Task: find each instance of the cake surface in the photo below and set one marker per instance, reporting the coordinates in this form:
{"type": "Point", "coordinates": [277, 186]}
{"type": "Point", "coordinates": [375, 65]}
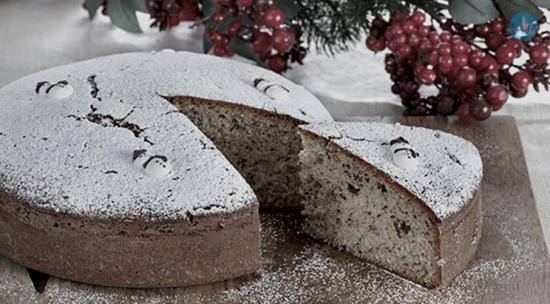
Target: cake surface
{"type": "Point", "coordinates": [403, 198]}
{"type": "Point", "coordinates": [104, 181]}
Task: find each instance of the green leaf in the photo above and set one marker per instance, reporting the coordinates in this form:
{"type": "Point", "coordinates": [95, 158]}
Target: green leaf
{"type": "Point", "coordinates": [243, 48]}
{"type": "Point", "coordinates": [542, 3]}
{"type": "Point", "coordinates": [472, 11]}
{"type": "Point", "coordinates": [434, 8]}
{"type": "Point", "coordinates": [139, 5]}
{"type": "Point", "coordinates": [394, 6]}
{"type": "Point", "coordinates": [512, 7]}
{"type": "Point", "coordinates": [208, 7]}
{"type": "Point", "coordinates": [123, 15]}
{"type": "Point", "coordinates": [92, 6]}
{"type": "Point", "coordinates": [289, 7]}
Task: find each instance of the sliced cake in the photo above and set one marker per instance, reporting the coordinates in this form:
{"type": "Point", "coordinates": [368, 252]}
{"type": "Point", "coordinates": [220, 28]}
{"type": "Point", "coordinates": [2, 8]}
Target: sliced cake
{"type": "Point", "coordinates": [147, 170]}
{"type": "Point", "coordinates": [403, 198]}
{"type": "Point", "coordinates": [104, 181]}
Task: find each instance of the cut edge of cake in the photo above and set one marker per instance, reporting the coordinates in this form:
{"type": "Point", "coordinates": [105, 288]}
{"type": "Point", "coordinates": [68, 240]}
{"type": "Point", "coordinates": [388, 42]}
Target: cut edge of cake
{"type": "Point", "coordinates": [262, 145]}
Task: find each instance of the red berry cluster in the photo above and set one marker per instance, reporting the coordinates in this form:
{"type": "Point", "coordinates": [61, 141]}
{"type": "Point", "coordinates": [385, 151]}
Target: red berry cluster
{"type": "Point", "coordinates": [260, 24]}
{"type": "Point", "coordinates": [169, 13]}
{"type": "Point", "coordinates": [471, 66]}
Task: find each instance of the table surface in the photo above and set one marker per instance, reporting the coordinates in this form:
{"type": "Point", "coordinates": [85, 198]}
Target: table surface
{"type": "Point", "coordinates": [37, 34]}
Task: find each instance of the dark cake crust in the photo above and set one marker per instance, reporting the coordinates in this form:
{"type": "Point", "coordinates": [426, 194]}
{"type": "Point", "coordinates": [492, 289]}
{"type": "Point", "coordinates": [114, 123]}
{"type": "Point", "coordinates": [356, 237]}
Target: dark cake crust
{"type": "Point", "coordinates": [131, 253]}
{"type": "Point", "coordinates": [459, 239]}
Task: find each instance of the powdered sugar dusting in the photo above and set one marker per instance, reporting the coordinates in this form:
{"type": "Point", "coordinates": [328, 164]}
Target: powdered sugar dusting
{"type": "Point", "coordinates": [75, 155]}
{"type": "Point", "coordinates": [449, 167]}
{"type": "Point", "coordinates": [319, 273]}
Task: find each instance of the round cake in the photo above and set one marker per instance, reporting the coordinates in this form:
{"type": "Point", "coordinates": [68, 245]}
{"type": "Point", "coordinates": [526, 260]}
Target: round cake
{"type": "Point", "coordinates": [148, 170]}
{"type": "Point", "coordinates": [105, 181]}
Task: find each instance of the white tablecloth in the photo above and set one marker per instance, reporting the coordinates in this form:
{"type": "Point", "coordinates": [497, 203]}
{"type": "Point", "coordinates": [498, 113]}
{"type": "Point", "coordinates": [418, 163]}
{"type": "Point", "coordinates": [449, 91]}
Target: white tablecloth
{"type": "Point", "coordinates": [36, 34]}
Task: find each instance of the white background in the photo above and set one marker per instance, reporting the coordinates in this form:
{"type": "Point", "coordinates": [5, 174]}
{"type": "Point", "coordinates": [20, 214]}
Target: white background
{"type": "Point", "coordinates": [36, 34]}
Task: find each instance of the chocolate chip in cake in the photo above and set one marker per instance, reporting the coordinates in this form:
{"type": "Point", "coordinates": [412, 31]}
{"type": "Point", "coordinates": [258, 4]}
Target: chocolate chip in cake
{"type": "Point", "coordinates": [353, 189]}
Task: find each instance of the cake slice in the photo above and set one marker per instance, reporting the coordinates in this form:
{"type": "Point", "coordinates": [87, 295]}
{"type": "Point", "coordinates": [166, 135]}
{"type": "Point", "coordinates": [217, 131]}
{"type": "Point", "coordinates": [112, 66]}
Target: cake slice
{"type": "Point", "coordinates": [403, 198]}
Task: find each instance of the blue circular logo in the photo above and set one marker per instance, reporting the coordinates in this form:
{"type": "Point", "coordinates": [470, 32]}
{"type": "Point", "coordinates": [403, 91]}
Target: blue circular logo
{"type": "Point", "coordinates": [523, 26]}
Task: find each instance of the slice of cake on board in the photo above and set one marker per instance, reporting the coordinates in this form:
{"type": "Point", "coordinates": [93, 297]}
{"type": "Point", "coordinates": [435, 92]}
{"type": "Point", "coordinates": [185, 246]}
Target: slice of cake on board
{"type": "Point", "coordinates": [403, 198]}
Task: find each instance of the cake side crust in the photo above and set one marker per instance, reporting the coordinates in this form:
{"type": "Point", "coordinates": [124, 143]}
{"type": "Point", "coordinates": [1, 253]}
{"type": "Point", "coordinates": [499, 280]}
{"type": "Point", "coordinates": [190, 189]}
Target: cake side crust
{"type": "Point", "coordinates": [135, 253]}
{"type": "Point", "coordinates": [460, 236]}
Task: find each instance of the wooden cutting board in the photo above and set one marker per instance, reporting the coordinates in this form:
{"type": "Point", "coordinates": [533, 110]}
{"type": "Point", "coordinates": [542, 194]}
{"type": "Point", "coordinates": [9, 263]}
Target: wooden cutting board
{"type": "Point", "coordinates": [511, 265]}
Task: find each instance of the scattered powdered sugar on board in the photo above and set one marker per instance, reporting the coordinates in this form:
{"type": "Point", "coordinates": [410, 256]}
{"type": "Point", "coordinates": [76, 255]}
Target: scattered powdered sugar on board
{"type": "Point", "coordinates": [319, 274]}
{"type": "Point", "coordinates": [74, 155]}
{"type": "Point", "coordinates": [449, 167]}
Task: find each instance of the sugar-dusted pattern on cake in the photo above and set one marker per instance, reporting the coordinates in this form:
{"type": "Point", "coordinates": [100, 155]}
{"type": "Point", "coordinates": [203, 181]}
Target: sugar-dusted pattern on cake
{"type": "Point", "coordinates": [72, 152]}
{"type": "Point", "coordinates": [448, 168]}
